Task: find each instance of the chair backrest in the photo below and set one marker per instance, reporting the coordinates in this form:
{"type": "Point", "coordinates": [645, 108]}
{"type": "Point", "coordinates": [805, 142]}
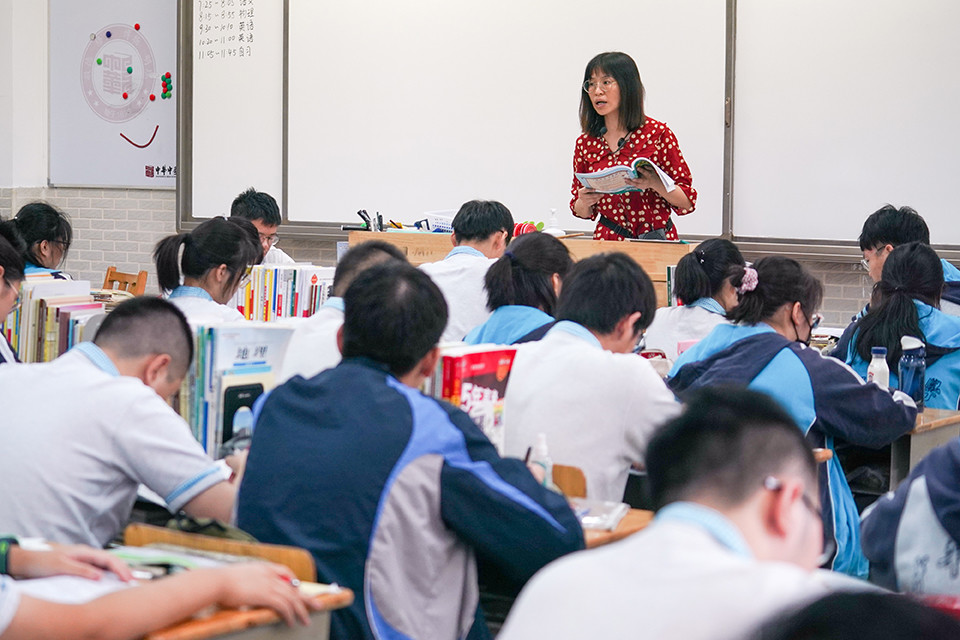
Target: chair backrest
{"type": "Point", "coordinates": [298, 560]}
{"type": "Point", "coordinates": [135, 284]}
{"type": "Point", "coordinates": [570, 480]}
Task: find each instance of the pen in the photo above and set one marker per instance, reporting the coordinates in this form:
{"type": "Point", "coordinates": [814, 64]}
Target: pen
{"type": "Point", "coordinates": [396, 225]}
{"type": "Point", "coordinates": [526, 458]}
{"type": "Point", "coordinates": [379, 222]}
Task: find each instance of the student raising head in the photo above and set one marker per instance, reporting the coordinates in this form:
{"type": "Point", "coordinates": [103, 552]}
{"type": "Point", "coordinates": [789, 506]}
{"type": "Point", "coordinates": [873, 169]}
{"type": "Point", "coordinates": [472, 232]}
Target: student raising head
{"type": "Point", "coordinates": [11, 275]}
{"type": "Point", "coordinates": [215, 259]}
{"type": "Point", "coordinates": [704, 289]}
{"type": "Point", "coordinates": [767, 350]}
{"type": "Point", "coordinates": [906, 302]}
{"type": "Point", "coordinates": [46, 234]}
{"type": "Point", "coordinates": [522, 288]}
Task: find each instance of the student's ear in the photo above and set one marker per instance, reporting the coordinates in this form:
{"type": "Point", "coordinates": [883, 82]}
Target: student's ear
{"type": "Point", "coordinates": [557, 283]}
{"type": "Point", "coordinates": [1, 273]}
{"type": "Point", "coordinates": [797, 314]}
{"type": "Point", "coordinates": [222, 273]}
{"type": "Point", "coordinates": [453, 239]}
{"type": "Point", "coordinates": [626, 324]}
{"type": "Point", "coordinates": [428, 364]}
{"type": "Point", "coordinates": [782, 509]}
{"type": "Point", "coordinates": [155, 372]}
{"type": "Point", "coordinates": [340, 339]}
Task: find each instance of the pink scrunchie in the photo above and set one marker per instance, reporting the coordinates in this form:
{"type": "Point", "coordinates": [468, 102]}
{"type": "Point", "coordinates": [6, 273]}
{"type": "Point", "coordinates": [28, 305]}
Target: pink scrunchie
{"type": "Point", "coordinates": [749, 281]}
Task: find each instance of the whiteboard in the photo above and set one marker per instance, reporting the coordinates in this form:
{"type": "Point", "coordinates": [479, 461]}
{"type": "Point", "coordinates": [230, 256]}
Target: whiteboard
{"type": "Point", "coordinates": [235, 134]}
{"type": "Point", "coordinates": [842, 107]}
{"type": "Point", "coordinates": [109, 122]}
{"type": "Point", "coordinates": [415, 106]}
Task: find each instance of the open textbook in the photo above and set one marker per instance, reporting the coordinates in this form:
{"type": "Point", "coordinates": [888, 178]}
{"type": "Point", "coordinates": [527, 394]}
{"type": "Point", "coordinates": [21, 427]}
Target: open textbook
{"type": "Point", "coordinates": [614, 179]}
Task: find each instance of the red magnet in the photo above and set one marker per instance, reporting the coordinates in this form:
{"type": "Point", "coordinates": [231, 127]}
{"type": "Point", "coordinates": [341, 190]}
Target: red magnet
{"type": "Point", "coordinates": [167, 75]}
{"type": "Point", "coordinates": [124, 95]}
{"type": "Point", "coordinates": [137, 26]}
{"type": "Point", "coordinates": [152, 97]}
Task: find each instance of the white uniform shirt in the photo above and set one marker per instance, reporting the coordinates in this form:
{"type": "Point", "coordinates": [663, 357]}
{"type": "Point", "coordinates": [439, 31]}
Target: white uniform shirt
{"type": "Point", "coordinates": [79, 440]}
{"type": "Point", "coordinates": [313, 345]}
{"type": "Point", "coordinates": [672, 325]}
{"type": "Point", "coordinates": [597, 408]}
{"type": "Point", "coordinates": [200, 308]}
{"type": "Point", "coordinates": [460, 278]}
{"type": "Point", "coordinates": [277, 256]}
{"type": "Point", "coordinates": [675, 579]}
{"type": "Point", "coordinates": [9, 601]}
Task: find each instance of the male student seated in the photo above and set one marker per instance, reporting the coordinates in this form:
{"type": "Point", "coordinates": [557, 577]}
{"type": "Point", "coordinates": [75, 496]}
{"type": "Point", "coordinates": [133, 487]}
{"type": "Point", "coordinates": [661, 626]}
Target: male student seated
{"type": "Point", "coordinates": [131, 613]}
{"type": "Point", "coordinates": [396, 495]}
{"type": "Point", "coordinates": [82, 432]}
{"type": "Point", "coordinates": [582, 385]}
{"type": "Point", "coordinates": [481, 231]}
{"type": "Point", "coordinates": [313, 345]}
{"type": "Point", "coordinates": [737, 536]}
{"type": "Point", "coordinates": [888, 228]}
{"type": "Point", "coordinates": [262, 210]}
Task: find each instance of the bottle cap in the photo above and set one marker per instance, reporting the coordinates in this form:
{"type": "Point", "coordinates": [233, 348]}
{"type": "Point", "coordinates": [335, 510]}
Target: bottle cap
{"type": "Point", "coordinates": [878, 351]}
{"type": "Point", "coordinates": [909, 343]}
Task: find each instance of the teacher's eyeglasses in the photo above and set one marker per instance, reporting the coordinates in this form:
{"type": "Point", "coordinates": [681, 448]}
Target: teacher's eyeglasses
{"type": "Point", "coordinates": [606, 84]}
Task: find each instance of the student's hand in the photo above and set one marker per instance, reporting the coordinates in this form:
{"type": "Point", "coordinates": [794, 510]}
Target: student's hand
{"type": "Point", "coordinates": [263, 584]}
{"type": "Point", "coordinates": [69, 560]}
{"type": "Point", "coordinates": [586, 198]}
{"type": "Point", "coordinates": [237, 463]}
{"type": "Point", "coordinates": [537, 471]}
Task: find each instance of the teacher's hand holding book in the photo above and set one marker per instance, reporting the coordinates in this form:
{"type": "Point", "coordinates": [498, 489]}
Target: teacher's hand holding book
{"type": "Point", "coordinates": [586, 198]}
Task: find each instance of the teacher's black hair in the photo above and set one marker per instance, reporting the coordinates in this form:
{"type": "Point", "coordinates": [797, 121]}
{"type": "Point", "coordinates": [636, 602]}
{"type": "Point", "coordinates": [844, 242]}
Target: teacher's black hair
{"type": "Point", "coordinates": [701, 273]}
{"type": "Point", "coordinates": [230, 241]}
{"type": "Point", "coordinates": [911, 272]}
{"type": "Point", "coordinates": [623, 69]}
{"type": "Point", "coordinates": [780, 281]}
{"type": "Point", "coordinates": [524, 274]}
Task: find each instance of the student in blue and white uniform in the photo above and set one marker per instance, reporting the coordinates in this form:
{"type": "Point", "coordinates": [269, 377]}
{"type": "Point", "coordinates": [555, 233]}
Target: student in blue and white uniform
{"type": "Point", "coordinates": [522, 289]}
{"type": "Point", "coordinates": [703, 287]}
{"type": "Point", "coordinates": [11, 275]}
{"type": "Point", "coordinates": [766, 350]}
{"type": "Point", "coordinates": [46, 234]}
{"type": "Point", "coordinates": [906, 303]}
{"type": "Point", "coordinates": [216, 256]}
{"type": "Point", "coordinates": [481, 231]}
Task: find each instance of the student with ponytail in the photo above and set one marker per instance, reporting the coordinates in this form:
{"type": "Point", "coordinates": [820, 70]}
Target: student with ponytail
{"type": "Point", "coordinates": [767, 350]}
{"type": "Point", "coordinates": [906, 302]}
{"type": "Point", "coordinates": [522, 288]}
{"type": "Point", "coordinates": [214, 263]}
{"type": "Point", "coordinates": [11, 275]}
{"type": "Point", "coordinates": [46, 235]}
{"type": "Point", "coordinates": [703, 287]}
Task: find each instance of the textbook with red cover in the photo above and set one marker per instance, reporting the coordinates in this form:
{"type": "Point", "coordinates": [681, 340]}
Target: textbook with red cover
{"type": "Point", "coordinates": [474, 378]}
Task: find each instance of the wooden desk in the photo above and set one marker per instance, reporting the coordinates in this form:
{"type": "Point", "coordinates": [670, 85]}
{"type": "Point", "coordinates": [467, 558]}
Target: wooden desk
{"type": "Point", "coordinates": [255, 624]}
{"type": "Point", "coordinates": [635, 520]}
{"type": "Point", "coordinates": [653, 255]}
{"type": "Point", "coordinates": [935, 427]}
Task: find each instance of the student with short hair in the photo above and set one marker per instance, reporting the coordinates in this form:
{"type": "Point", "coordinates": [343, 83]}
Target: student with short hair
{"type": "Point", "coordinates": [768, 350]}
{"type": "Point", "coordinates": [522, 288]}
{"type": "Point", "coordinates": [11, 275]}
{"type": "Point", "coordinates": [889, 227]}
{"type": "Point", "coordinates": [216, 256]}
{"type": "Point", "coordinates": [398, 496]}
{"type": "Point", "coordinates": [481, 231]}
{"type": "Point", "coordinates": [46, 234]}
{"type": "Point", "coordinates": [737, 536]}
{"type": "Point", "coordinates": [131, 613]}
{"type": "Point", "coordinates": [906, 302]}
{"type": "Point", "coordinates": [77, 459]}
{"type": "Point", "coordinates": [313, 345]}
{"type": "Point", "coordinates": [581, 385]}
{"type": "Point", "coordinates": [262, 210]}
{"type": "Point", "coordinates": [702, 285]}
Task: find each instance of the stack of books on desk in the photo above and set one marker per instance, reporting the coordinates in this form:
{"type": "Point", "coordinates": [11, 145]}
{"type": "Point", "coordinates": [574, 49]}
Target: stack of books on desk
{"type": "Point", "coordinates": [51, 317]}
{"type": "Point", "coordinates": [284, 291]}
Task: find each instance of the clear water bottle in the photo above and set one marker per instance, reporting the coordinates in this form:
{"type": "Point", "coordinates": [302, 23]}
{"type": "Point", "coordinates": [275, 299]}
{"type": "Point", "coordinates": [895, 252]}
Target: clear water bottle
{"type": "Point", "coordinates": [542, 458]}
{"type": "Point", "coordinates": [878, 371]}
{"type": "Point", "coordinates": [913, 369]}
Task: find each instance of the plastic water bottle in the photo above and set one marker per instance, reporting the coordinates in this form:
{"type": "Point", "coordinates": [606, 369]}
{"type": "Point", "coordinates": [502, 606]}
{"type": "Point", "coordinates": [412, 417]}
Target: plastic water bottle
{"type": "Point", "coordinates": [878, 371]}
{"type": "Point", "coordinates": [554, 227]}
{"type": "Point", "coordinates": [542, 457]}
{"type": "Point", "coordinates": [913, 369]}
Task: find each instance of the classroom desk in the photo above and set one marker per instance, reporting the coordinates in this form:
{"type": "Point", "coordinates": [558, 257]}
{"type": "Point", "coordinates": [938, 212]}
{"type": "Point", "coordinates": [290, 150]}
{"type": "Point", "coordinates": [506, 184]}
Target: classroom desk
{"type": "Point", "coordinates": [653, 255]}
{"type": "Point", "coordinates": [255, 624]}
{"type": "Point", "coordinates": [934, 427]}
{"type": "Point", "coordinates": [635, 520]}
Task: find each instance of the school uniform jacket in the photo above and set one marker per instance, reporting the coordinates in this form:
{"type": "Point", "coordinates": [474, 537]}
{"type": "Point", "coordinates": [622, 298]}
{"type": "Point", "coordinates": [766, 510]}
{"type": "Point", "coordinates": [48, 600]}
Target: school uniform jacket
{"type": "Point", "coordinates": [912, 537]}
{"type": "Point", "coordinates": [398, 497]}
{"type": "Point", "coordinates": [826, 399]}
{"type": "Point", "coordinates": [941, 333]}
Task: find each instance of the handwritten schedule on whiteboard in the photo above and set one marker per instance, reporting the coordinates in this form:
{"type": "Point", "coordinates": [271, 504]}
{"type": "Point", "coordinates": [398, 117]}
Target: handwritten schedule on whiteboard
{"type": "Point", "coordinates": [225, 29]}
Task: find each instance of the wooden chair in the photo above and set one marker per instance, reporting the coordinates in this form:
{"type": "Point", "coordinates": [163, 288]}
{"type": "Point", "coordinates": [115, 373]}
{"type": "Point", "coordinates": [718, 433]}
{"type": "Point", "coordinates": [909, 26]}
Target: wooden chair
{"type": "Point", "coordinates": [298, 560]}
{"type": "Point", "coordinates": [135, 284]}
{"type": "Point", "coordinates": [570, 480]}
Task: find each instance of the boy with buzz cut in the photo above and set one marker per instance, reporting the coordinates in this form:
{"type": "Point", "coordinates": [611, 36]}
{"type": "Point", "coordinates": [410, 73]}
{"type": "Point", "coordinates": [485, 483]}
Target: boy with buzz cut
{"type": "Point", "coordinates": [261, 209]}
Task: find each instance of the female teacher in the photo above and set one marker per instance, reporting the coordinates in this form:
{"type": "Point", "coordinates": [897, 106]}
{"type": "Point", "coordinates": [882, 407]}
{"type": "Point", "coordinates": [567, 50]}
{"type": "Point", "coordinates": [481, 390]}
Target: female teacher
{"type": "Point", "coordinates": [616, 131]}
